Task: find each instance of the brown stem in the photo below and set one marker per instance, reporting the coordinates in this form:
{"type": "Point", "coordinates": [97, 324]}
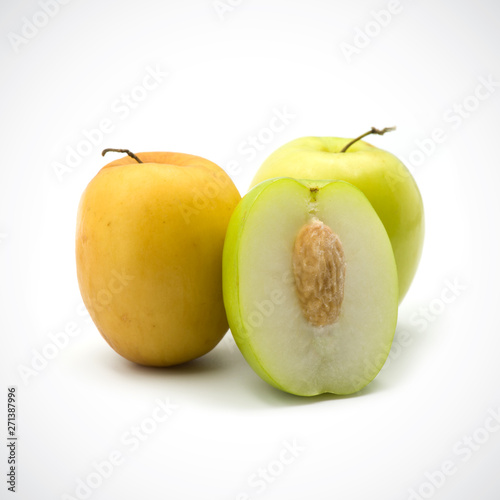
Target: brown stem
{"type": "Point", "coordinates": [132, 155]}
{"type": "Point", "coordinates": [372, 131]}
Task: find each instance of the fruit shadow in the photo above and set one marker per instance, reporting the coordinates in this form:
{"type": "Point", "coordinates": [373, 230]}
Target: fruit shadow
{"type": "Point", "coordinates": [223, 377]}
{"type": "Point", "coordinates": [407, 351]}
{"type": "Point", "coordinates": [272, 396]}
{"type": "Point", "coordinates": [214, 379]}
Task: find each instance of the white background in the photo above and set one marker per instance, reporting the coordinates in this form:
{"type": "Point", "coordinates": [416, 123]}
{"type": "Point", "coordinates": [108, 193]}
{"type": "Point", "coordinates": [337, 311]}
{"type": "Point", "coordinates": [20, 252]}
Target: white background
{"type": "Point", "coordinates": [226, 75]}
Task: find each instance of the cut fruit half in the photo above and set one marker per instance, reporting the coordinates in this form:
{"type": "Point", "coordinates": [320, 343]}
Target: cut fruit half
{"type": "Point", "coordinates": [310, 286]}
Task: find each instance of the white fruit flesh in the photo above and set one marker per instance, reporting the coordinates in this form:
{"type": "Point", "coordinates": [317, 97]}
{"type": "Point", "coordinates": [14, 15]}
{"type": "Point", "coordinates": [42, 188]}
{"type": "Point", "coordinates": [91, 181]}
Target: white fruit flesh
{"type": "Point", "coordinates": [296, 355]}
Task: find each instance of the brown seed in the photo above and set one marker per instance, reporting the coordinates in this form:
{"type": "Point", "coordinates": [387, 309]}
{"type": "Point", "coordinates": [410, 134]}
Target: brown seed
{"type": "Point", "coordinates": [319, 271]}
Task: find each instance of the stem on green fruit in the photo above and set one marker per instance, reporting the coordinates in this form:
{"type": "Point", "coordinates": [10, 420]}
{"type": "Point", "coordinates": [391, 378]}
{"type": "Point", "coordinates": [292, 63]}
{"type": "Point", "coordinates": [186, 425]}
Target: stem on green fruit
{"type": "Point", "coordinates": [372, 131]}
{"type": "Point", "coordinates": [132, 155]}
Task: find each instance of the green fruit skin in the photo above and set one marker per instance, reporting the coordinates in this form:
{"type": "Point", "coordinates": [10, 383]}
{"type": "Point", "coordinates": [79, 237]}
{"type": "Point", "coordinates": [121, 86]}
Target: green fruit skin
{"type": "Point", "coordinates": [385, 181]}
{"type": "Point", "coordinates": [230, 280]}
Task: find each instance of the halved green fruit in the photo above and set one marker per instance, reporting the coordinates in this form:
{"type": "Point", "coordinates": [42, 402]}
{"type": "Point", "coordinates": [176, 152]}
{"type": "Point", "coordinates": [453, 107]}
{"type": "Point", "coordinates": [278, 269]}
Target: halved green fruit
{"type": "Point", "coordinates": [266, 285]}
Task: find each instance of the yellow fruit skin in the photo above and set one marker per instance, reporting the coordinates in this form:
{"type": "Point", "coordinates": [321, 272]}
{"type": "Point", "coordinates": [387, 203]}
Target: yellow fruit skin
{"type": "Point", "coordinates": [149, 243]}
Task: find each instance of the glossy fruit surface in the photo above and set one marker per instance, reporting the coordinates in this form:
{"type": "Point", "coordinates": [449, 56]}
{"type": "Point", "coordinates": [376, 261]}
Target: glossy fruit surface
{"type": "Point", "coordinates": [149, 243]}
{"type": "Point", "coordinates": [381, 176]}
{"type": "Point", "coordinates": [265, 302]}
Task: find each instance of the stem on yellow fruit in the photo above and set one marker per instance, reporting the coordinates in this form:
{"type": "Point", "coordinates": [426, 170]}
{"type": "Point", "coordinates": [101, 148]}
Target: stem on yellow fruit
{"type": "Point", "coordinates": [132, 155]}
{"type": "Point", "coordinates": [372, 131]}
